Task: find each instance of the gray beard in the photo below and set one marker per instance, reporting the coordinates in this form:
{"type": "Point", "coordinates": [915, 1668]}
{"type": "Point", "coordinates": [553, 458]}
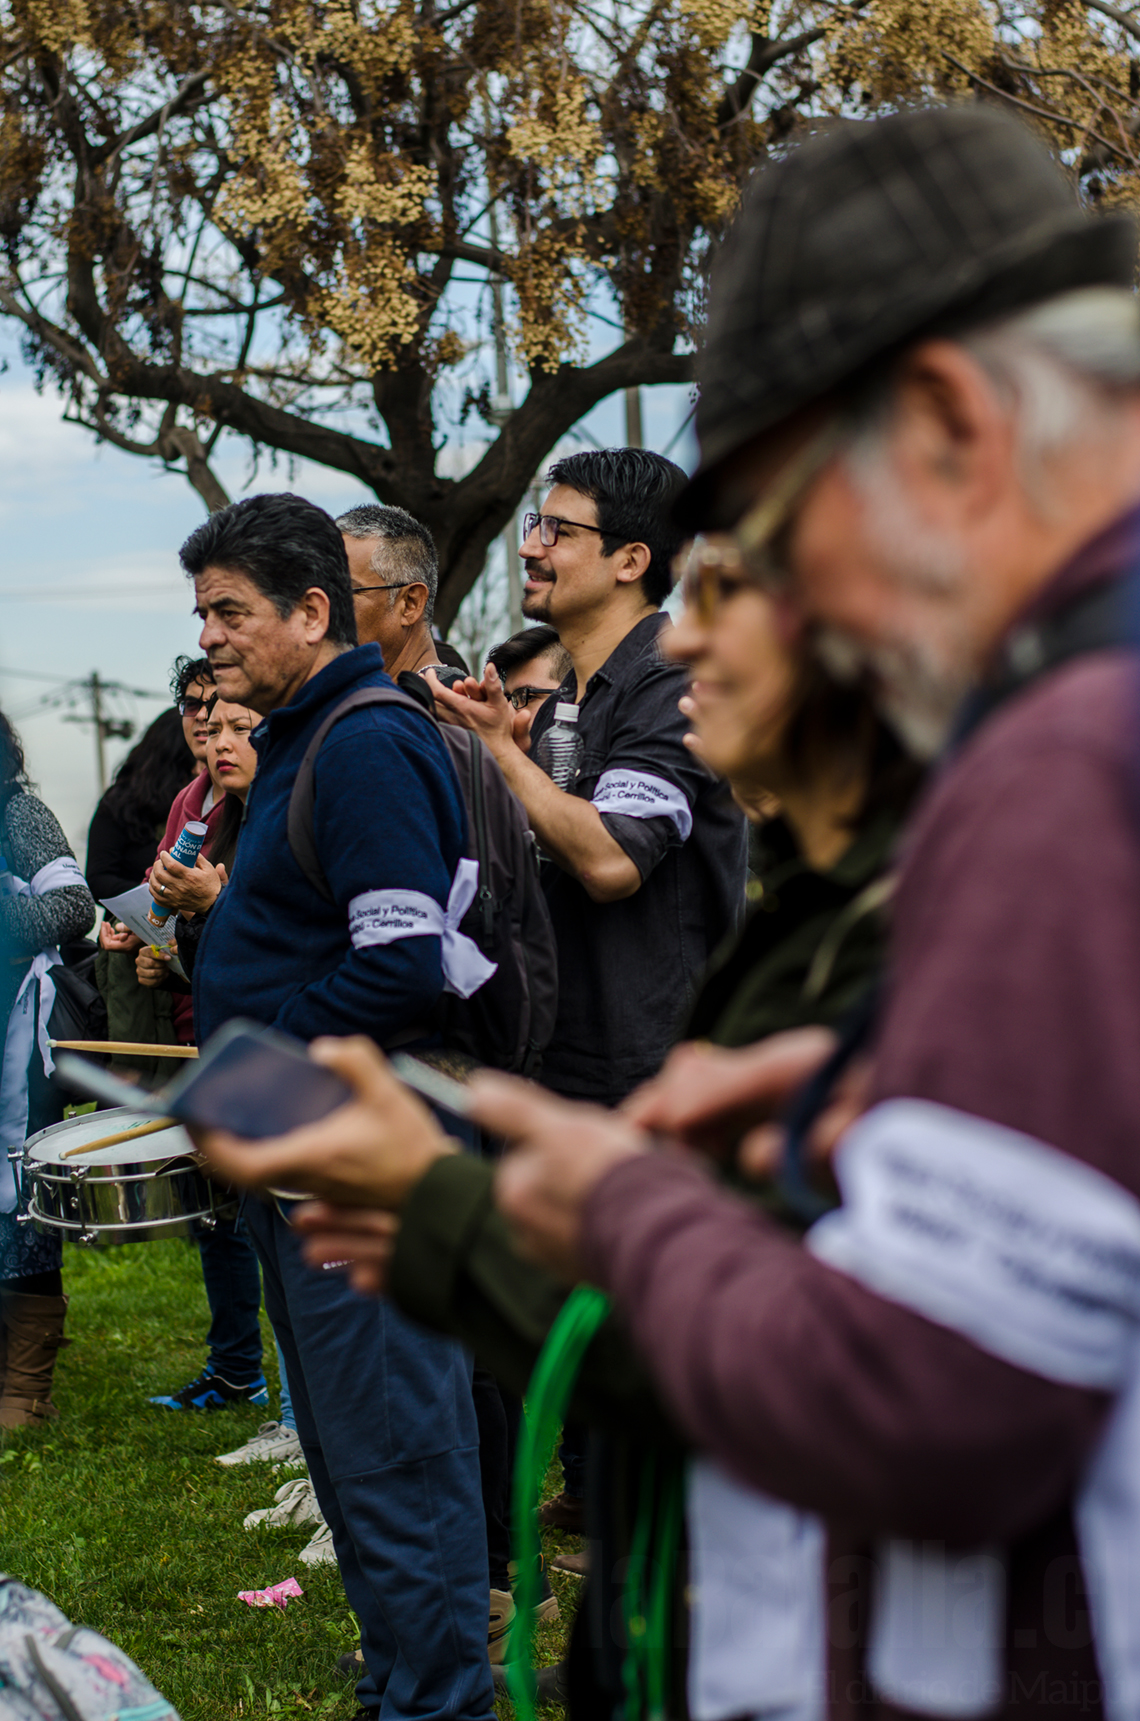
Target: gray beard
{"type": "Point", "coordinates": [919, 681]}
{"type": "Point", "coordinates": [914, 694]}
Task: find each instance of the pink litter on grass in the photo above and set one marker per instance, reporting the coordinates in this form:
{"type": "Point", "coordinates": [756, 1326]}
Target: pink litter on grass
{"type": "Point", "coordinates": [277, 1595]}
{"type": "Point", "coordinates": [114, 1675]}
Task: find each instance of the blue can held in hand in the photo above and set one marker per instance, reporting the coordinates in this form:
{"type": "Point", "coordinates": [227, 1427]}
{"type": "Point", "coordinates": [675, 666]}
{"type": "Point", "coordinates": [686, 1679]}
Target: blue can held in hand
{"type": "Point", "coordinates": [185, 851]}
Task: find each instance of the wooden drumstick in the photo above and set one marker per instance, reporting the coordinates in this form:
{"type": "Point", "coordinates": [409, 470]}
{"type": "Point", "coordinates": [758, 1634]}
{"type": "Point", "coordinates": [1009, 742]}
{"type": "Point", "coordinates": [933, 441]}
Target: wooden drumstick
{"type": "Point", "coordinates": [133, 1134]}
{"type": "Point", "coordinates": [134, 1048]}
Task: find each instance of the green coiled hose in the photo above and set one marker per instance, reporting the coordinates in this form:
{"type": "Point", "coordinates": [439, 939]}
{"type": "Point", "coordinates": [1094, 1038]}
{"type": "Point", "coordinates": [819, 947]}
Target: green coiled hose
{"type": "Point", "coordinates": [647, 1596]}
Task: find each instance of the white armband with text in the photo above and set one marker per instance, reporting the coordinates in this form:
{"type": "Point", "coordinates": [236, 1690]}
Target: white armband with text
{"type": "Point", "coordinates": [385, 916]}
{"type": "Point", "coordinates": [640, 795]}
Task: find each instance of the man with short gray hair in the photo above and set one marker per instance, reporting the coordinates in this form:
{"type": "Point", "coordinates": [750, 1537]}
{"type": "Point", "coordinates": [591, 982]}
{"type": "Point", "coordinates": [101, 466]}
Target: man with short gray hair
{"type": "Point", "coordinates": [395, 576]}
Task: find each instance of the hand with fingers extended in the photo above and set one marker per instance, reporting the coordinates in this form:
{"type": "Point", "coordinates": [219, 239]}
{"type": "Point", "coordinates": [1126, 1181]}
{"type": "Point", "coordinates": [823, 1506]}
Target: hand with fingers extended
{"type": "Point", "coordinates": [481, 706]}
{"type": "Point", "coordinates": [358, 1239]}
{"type": "Point", "coordinates": [560, 1151]}
{"type": "Point", "coordinates": [370, 1152]}
{"type": "Point", "coordinates": [113, 935]}
{"type": "Point", "coordinates": [710, 1097]}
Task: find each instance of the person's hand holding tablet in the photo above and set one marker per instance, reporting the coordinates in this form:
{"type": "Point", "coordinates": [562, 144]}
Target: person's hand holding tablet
{"type": "Point", "coordinates": [368, 1153]}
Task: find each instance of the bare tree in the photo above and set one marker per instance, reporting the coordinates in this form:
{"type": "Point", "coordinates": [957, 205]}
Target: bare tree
{"type": "Point", "coordinates": [287, 219]}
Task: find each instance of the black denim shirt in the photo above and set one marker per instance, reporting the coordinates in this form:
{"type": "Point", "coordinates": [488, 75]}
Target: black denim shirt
{"type": "Point", "coordinates": [627, 970]}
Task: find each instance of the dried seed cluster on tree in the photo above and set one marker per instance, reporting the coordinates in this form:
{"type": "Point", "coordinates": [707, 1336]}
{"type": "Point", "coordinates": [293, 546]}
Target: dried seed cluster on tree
{"type": "Point", "coordinates": [257, 216]}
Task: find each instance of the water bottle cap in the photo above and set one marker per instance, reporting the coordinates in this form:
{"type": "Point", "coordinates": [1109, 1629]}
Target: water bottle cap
{"type": "Point", "coordinates": [196, 827]}
{"type": "Point", "coordinates": [565, 713]}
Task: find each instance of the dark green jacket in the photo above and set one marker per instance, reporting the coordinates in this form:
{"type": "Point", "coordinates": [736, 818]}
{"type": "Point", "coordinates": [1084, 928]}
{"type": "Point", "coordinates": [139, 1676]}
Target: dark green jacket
{"type": "Point", "coordinates": [134, 1012]}
{"type": "Point", "coordinates": [805, 955]}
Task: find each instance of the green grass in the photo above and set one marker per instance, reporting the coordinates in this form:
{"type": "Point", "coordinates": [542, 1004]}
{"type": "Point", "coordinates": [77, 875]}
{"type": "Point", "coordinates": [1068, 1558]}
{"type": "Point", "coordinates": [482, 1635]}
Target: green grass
{"type": "Point", "coordinates": [118, 1513]}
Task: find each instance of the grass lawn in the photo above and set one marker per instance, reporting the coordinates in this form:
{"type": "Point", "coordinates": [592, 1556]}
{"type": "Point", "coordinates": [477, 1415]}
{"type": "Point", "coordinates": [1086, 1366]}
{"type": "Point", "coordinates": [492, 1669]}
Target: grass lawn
{"type": "Point", "coordinates": [118, 1513]}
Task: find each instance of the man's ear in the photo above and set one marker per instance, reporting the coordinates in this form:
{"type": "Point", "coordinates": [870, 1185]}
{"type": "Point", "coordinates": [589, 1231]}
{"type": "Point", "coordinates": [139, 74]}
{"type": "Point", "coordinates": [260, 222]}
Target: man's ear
{"type": "Point", "coordinates": [314, 607]}
{"type": "Point", "coordinates": [631, 562]}
{"type": "Point", "coordinates": [953, 430]}
{"type": "Point", "coordinates": [411, 603]}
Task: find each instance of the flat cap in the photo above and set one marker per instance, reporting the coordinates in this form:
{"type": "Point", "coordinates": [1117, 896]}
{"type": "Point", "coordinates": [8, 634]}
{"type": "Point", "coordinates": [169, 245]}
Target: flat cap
{"type": "Point", "coordinates": [874, 234]}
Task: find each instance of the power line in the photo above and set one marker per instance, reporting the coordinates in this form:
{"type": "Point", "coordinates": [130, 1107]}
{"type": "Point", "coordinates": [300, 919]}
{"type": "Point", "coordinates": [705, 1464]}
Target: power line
{"type": "Point", "coordinates": [49, 594]}
{"type": "Point", "coordinates": [35, 675]}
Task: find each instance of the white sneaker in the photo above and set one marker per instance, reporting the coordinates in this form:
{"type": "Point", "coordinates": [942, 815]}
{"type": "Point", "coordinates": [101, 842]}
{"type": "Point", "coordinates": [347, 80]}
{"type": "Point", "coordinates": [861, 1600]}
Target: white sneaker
{"type": "Point", "coordinates": [296, 1505]}
{"type": "Point", "coordinates": [319, 1551]}
{"type": "Point", "coordinates": [273, 1441]}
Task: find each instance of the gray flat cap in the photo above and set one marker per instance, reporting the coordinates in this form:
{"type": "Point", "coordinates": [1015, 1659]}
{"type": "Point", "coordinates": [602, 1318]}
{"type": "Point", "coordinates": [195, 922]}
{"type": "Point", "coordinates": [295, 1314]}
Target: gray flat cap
{"type": "Point", "coordinates": [870, 236]}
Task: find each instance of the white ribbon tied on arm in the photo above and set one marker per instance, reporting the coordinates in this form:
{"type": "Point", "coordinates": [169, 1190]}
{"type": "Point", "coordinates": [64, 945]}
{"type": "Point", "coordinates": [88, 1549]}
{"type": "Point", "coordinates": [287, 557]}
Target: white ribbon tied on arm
{"type": "Point", "coordinates": [385, 916]}
{"type": "Point", "coordinates": [28, 1026]}
{"type": "Point", "coordinates": [1035, 1258]}
{"type": "Point", "coordinates": [641, 795]}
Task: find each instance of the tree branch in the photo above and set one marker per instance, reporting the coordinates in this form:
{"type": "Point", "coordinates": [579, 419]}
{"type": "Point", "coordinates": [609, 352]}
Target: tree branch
{"type": "Point", "coordinates": [1126, 23]}
{"type": "Point", "coordinates": [228, 404]}
{"type": "Point", "coordinates": [186, 443]}
{"type": "Point", "coordinates": [177, 104]}
{"type": "Point", "coordinates": [1039, 113]}
{"type": "Point", "coordinates": [55, 337]}
{"type": "Point", "coordinates": [765, 54]}
{"type": "Point", "coordinates": [463, 251]}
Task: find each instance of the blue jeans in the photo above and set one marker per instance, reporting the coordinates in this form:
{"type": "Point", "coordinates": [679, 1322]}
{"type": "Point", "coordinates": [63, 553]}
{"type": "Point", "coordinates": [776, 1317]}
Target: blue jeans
{"type": "Point", "coordinates": [233, 1291]}
{"type": "Point", "coordinates": [387, 1425]}
{"type": "Point", "coordinates": [286, 1418]}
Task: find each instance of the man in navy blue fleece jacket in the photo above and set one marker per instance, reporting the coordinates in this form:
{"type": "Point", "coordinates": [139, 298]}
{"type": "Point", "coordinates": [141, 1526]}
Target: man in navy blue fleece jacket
{"type": "Point", "coordinates": [384, 1409]}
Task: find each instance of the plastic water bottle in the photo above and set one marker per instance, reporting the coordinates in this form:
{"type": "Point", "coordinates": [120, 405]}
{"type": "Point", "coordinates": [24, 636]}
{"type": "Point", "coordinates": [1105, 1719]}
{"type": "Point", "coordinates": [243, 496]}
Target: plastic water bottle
{"type": "Point", "coordinates": [190, 840]}
{"type": "Point", "coordinates": [559, 750]}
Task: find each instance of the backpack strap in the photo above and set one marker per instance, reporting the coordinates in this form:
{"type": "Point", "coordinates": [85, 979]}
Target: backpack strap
{"type": "Point", "coordinates": [302, 840]}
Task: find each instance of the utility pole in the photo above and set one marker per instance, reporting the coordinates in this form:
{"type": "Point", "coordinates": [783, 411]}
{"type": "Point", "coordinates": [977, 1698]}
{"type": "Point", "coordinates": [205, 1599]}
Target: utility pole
{"type": "Point", "coordinates": [106, 728]}
{"type": "Point", "coordinates": [502, 409]}
{"type": "Point", "coordinates": [97, 722]}
{"type": "Point", "coordinates": [633, 435]}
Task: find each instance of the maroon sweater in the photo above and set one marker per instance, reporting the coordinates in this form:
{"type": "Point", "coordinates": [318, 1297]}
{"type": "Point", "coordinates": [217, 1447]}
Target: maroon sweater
{"type": "Point", "coordinates": [1014, 995]}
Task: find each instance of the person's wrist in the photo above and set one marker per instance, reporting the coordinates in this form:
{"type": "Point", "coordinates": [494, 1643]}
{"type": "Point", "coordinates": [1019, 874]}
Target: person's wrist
{"type": "Point", "coordinates": [417, 1163]}
{"type": "Point", "coordinates": [500, 741]}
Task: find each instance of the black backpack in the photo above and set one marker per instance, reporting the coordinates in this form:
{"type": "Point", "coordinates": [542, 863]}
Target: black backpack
{"type": "Point", "coordinates": [508, 1022]}
{"type": "Point", "coordinates": [79, 1011]}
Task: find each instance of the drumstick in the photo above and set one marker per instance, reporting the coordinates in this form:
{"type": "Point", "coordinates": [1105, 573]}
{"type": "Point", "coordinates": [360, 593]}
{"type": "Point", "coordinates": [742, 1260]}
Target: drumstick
{"type": "Point", "coordinates": [136, 1048]}
{"type": "Point", "coordinates": [133, 1134]}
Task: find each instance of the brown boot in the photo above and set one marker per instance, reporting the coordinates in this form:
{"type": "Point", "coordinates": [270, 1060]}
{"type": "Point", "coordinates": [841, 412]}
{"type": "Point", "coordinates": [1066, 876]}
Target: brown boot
{"type": "Point", "coordinates": [34, 1328]}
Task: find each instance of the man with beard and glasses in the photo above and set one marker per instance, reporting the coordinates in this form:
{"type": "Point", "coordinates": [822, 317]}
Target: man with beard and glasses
{"type": "Point", "coordinates": [920, 1427]}
{"type": "Point", "coordinates": [646, 870]}
{"type": "Point", "coordinates": [647, 851]}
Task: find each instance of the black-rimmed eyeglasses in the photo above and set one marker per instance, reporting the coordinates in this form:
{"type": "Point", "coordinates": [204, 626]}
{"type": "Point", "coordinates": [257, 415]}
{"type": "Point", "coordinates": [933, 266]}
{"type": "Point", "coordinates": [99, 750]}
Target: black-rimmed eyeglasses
{"type": "Point", "coordinates": [190, 707]}
{"type": "Point", "coordinates": [392, 586]}
{"type": "Point", "coordinates": [521, 697]}
{"type": "Point", "coordinates": [549, 526]}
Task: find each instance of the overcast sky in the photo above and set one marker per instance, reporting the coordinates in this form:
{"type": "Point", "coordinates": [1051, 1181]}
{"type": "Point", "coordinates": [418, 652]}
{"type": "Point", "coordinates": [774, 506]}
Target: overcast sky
{"type": "Point", "coordinates": [89, 575]}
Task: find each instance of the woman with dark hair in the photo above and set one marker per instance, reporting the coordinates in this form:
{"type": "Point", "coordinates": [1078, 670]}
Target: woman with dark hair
{"type": "Point", "coordinates": [44, 902]}
{"type": "Point", "coordinates": [231, 762]}
{"type": "Point", "coordinates": [233, 1371]}
{"type": "Point", "coordinates": [130, 818]}
{"type": "Point", "coordinates": [149, 1017]}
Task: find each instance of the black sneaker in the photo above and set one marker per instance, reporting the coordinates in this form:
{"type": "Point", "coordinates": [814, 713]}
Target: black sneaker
{"type": "Point", "coordinates": [550, 1682]}
{"type": "Point", "coordinates": [211, 1391]}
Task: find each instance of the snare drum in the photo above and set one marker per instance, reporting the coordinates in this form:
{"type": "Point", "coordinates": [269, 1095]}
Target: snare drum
{"type": "Point", "coordinates": [132, 1192]}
